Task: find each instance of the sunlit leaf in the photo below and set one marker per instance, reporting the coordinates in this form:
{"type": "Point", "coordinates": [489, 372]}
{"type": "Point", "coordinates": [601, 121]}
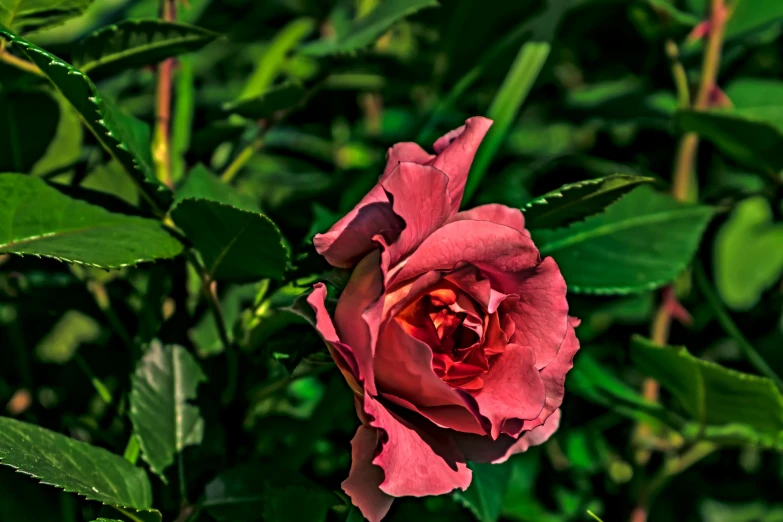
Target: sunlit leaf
{"type": "Point", "coordinates": [641, 242]}
{"type": "Point", "coordinates": [37, 219]}
{"type": "Point", "coordinates": [576, 201]}
{"type": "Point", "coordinates": [73, 466]}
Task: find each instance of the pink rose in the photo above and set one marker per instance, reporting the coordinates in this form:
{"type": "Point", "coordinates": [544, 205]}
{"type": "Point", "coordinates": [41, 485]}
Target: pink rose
{"type": "Point", "coordinates": [452, 331]}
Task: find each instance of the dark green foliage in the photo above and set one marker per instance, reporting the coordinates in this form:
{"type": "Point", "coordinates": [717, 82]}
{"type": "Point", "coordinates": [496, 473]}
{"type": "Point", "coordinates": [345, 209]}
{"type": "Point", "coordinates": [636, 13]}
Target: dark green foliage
{"type": "Point", "coordinates": [157, 355]}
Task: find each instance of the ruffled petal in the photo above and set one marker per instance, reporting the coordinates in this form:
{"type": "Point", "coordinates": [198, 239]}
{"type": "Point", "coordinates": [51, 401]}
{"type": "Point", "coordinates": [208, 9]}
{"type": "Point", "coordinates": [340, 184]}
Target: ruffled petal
{"type": "Point", "coordinates": [534, 437]}
{"type": "Point", "coordinates": [341, 353]}
{"type": "Point", "coordinates": [420, 197]}
{"type": "Point", "coordinates": [358, 314]}
{"type": "Point", "coordinates": [512, 389]}
{"type": "Point", "coordinates": [403, 372]}
{"type": "Point", "coordinates": [541, 312]}
{"type": "Point", "coordinates": [417, 459]}
{"type": "Point", "coordinates": [494, 213]}
{"type": "Point", "coordinates": [498, 251]}
{"type": "Point", "coordinates": [554, 376]}
{"type": "Point", "coordinates": [456, 151]}
{"type": "Point", "coordinates": [350, 239]}
{"type": "Point", "coordinates": [405, 151]}
{"type": "Point", "coordinates": [363, 482]}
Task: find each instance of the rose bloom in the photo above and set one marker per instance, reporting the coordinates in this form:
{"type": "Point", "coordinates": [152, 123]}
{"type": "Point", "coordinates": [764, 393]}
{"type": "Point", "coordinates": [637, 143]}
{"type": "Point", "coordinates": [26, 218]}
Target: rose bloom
{"type": "Point", "coordinates": [452, 331]}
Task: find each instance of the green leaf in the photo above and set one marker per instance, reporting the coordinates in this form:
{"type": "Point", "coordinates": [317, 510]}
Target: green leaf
{"type": "Point", "coordinates": [164, 421]}
{"type": "Point", "coordinates": [748, 16]}
{"type": "Point", "coordinates": [37, 219]}
{"type": "Point", "coordinates": [253, 491]}
{"type": "Point", "coordinates": [281, 97]}
{"type": "Point", "coordinates": [123, 136]}
{"type": "Point", "coordinates": [364, 31]}
{"type": "Point", "coordinates": [135, 43]}
{"type": "Point", "coordinates": [31, 15]}
{"type": "Point", "coordinates": [505, 107]}
{"type": "Point", "coordinates": [748, 257]}
{"type": "Point", "coordinates": [201, 183]}
{"type": "Point", "coordinates": [275, 56]}
{"type": "Point", "coordinates": [747, 139]}
{"type": "Point", "coordinates": [73, 466]}
{"type": "Point", "coordinates": [65, 147]}
{"type": "Point", "coordinates": [640, 243]}
{"type": "Point", "coordinates": [106, 520]}
{"type": "Point", "coordinates": [235, 244]}
{"type": "Point", "coordinates": [712, 394]}
{"type": "Point", "coordinates": [576, 201]}
{"type": "Point", "coordinates": [24, 139]}
{"type": "Point", "coordinates": [484, 497]}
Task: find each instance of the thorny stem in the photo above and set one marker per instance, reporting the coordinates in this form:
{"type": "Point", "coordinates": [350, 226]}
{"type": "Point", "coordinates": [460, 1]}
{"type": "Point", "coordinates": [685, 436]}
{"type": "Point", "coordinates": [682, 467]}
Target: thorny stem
{"type": "Point", "coordinates": [217, 313]}
{"type": "Point", "coordinates": [161, 148]}
{"type": "Point", "coordinates": [684, 167]}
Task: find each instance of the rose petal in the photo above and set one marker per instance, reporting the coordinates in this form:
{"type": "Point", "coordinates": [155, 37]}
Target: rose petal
{"type": "Point", "coordinates": [554, 376]}
{"type": "Point", "coordinates": [420, 196]}
{"type": "Point", "coordinates": [534, 437]}
{"type": "Point", "coordinates": [494, 249]}
{"type": "Point", "coordinates": [494, 213]}
{"type": "Point", "coordinates": [341, 353]}
{"type": "Point", "coordinates": [351, 238]}
{"type": "Point", "coordinates": [417, 459]}
{"type": "Point", "coordinates": [358, 314]}
{"type": "Point", "coordinates": [403, 369]}
{"type": "Point", "coordinates": [512, 388]}
{"type": "Point", "coordinates": [363, 482]}
{"type": "Point", "coordinates": [405, 151]}
{"type": "Point", "coordinates": [455, 153]}
{"type": "Point", "coordinates": [541, 313]}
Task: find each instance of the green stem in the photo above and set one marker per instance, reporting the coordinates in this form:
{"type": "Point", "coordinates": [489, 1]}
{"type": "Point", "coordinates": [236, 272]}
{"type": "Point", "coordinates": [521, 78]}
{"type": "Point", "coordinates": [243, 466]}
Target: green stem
{"type": "Point", "coordinates": [242, 158]}
{"type": "Point", "coordinates": [728, 325]}
{"type": "Point", "coordinates": [24, 65]}
{"type": "Point", "coordinates": [220, 323]}
{"type": "Point", "coordinates": [101, 388]}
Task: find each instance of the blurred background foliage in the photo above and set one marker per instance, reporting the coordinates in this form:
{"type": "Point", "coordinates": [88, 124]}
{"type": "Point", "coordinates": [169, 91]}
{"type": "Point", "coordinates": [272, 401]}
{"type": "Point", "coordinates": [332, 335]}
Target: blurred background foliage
{"type": "Point", "coordinates": [293, 103]}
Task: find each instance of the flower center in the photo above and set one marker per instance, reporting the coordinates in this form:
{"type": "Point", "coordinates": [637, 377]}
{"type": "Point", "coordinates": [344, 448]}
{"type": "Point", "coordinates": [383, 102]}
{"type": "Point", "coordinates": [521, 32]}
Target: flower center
{"type": "Point", "coordinates": [457, 330]}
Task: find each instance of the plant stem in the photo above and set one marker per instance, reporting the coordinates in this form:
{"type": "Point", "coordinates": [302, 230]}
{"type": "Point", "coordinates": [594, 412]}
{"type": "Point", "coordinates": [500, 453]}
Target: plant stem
{"type": "Point", "coordinates": [242, 158]}
{"type": "Point", "coordinates": [684, 167]}
{"type": "Point", "coordinates": [220, 323]}
{"type": "Point", "coordinates": [19, 63]}
{"type": "Point", "coordinates": [687, 148]}
{"type": "Point", "coordinates": [161, 146]}
{"type": "Point", "coordinates": [686, 155]}
{"type": "Point", "coordinates": [728, 325]}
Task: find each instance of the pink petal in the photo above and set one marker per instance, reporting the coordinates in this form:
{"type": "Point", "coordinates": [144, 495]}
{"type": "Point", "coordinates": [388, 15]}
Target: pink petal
{"type": "Point", "coordinates": [358, 313]}
{"type": "Point", "coordinates": [484, 449]}
{"type": "Point", "coordinates": [534, 437]}
{"type": "Point", "coordinates": [363, 482]}
{"type": "Point", "coordinates": [494, 213]}
{"type": "Point", "coordinates": [554, 375]}
{"type": "Point", "coordinates": [541, 314]}
{"type": "Point", "coordinates": [350, 239]}
{"type": "Point", "coordinates": [405, 151]}
{"type": "Point", "coordinates": [341, 353]}
{"type": "Point", "coordinates": [478, 287]}
{"type": "Point", "coordinates": [494, 249]}
{"type": "Point", "coordinates": [403, 372]}
{"type": "Point", "coordinates": [455, 153]}
{"type": "Point", "coordinates": [417, 459]}
{"type": "Point", "coordinates": [512, 389]}
{"type": "Point", "coordinates": [420, 196]}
